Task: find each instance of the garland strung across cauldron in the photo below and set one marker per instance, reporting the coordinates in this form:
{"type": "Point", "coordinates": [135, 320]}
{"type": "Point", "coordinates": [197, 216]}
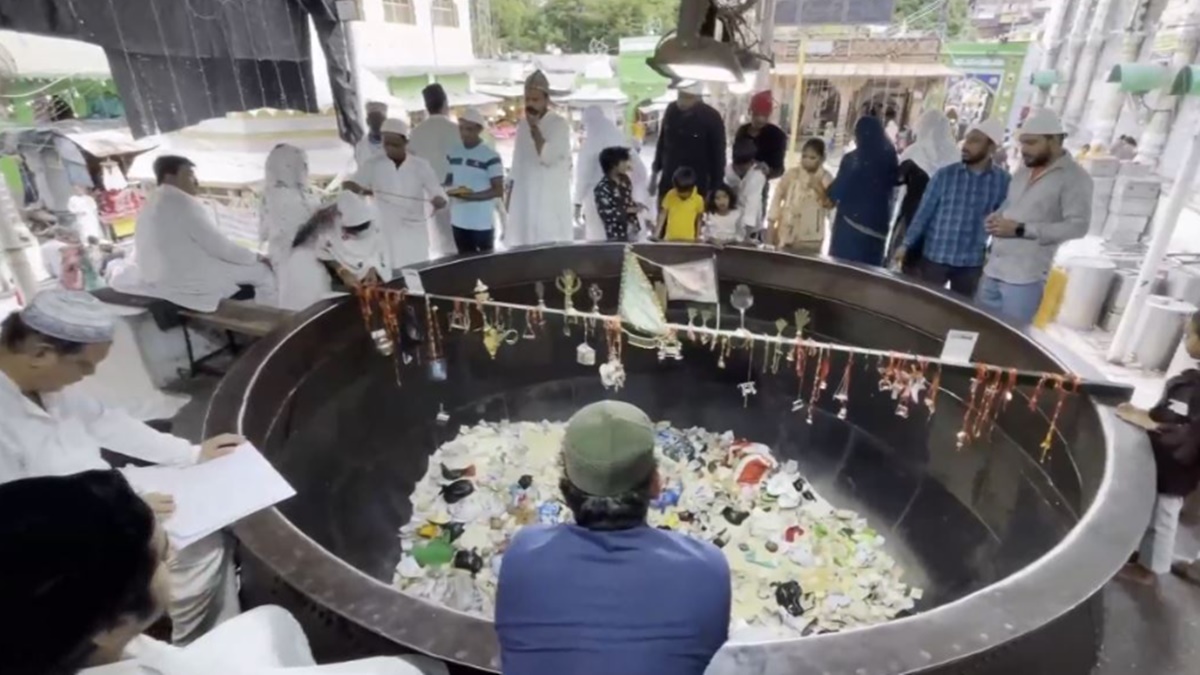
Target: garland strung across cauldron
{"type": "Point", "coordinates": [392, 320]}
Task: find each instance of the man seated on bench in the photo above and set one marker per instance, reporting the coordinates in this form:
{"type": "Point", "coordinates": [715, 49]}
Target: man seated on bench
{"type": "Point", "coordinates": [183, 258]}
{"type": "Point", "coordinates": [50, 428]}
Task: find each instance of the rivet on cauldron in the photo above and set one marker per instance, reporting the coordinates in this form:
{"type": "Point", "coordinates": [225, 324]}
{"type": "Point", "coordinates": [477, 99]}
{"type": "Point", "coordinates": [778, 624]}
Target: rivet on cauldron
{"type": "Point", "coordinates": [457, 490]}
{"type": "Point", "coordinates": [469, 561]}
{"type": "Point", "coordinates": [454, 530]}
{"type": "Point", "coordinates": [734, 516]}
{"type": "Point", "coordinates": [455, 474]}
{"type": "Point", "coordinates": [788, 595]}
{"type": "Point", "coordinates": [525, 482]}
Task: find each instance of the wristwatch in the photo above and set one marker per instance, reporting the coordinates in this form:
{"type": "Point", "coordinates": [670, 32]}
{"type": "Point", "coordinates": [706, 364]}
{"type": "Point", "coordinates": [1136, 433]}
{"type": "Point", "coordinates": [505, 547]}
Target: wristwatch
{"type": "Point", "coordinates": [1020, 231]}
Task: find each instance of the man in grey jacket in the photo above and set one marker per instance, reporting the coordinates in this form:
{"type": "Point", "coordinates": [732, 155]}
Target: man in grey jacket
{"type": "Point", "coordinates": [1049, 202]}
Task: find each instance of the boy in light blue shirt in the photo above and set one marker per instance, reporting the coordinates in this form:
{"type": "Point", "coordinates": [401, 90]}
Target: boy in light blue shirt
{"type": "Point", "coordinates": [474, 181]}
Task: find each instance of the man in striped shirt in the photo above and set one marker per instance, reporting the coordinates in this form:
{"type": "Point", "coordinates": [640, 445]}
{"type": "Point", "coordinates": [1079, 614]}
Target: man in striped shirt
{"type": "Point", "coordinates": [949, 227]}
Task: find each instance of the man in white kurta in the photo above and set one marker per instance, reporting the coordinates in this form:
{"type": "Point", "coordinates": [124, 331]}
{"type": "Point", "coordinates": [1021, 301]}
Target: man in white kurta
{"type": "Point", "coordinates": [181, 255]}
{"type": "Point", "coordinates": [406, 191]}
{"type": "Point", "coordinates": [432, 141]}
{"type": "Point", "coordinates": [539, 204]}
{"type": "Point", "coordinates": [370, 145]}
{"type": "Point", "coordinates": [50, 428]}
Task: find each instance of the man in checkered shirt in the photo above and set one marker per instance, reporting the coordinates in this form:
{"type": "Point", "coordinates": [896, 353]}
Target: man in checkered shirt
{"type": "Point", "coordinates": [949, 229]}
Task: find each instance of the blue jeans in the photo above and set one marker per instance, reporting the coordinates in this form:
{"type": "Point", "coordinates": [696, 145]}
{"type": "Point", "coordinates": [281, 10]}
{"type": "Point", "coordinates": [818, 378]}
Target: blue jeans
{"type": "Point", "coordinates": [1016, 302]}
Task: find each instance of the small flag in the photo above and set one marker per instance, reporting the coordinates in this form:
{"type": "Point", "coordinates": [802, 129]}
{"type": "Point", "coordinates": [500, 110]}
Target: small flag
{"type": "Point", "coordinates": [693, 281]}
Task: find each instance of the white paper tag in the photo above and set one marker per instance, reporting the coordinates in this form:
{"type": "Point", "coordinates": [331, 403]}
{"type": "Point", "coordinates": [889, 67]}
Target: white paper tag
{"type": "Point", "coordinates": [959, 346]}
{"type": "Point", "coordinates": [412, 280]}
{"type": "Point", "coordinates": [1179, 407]}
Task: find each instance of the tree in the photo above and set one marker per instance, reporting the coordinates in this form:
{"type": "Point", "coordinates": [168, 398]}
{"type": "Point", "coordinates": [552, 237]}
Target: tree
{"type": "Point", "coordinates": [926, 15]}
{"type": "Point", "coordinates": [572, 25]}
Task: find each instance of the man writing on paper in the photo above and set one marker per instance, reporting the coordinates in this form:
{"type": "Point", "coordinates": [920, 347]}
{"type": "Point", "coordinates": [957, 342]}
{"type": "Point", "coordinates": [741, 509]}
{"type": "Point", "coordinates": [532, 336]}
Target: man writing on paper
{"type": "Point", "coordinates": [539, 206]}
{"type": "Point", "coordinates": [407, 192]}
{"type": "Point", "coordinates": [49, 429]}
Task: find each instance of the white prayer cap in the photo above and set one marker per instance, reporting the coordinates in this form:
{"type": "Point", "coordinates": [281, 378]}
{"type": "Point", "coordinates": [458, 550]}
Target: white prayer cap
{"type": "Point", "coordinates": [1042, 122]}
{"type": "Point", "coordinates": [692, 87]}
{"type": "Point", "coordinates": [992, 128]}
{"type": "Point", "coordinates": [376, 106]}
{"type": "Point", "coordinates": [74, 316]}
{"type": "Point", "coordinates": [354, 209]}
{"type": "Point", "coordinates": [394, 126]}
{"type": "Point", "coordinates": [473, 116]}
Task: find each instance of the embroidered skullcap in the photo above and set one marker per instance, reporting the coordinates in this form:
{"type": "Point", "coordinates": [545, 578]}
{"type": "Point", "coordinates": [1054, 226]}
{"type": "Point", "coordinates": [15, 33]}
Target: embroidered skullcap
{"type": "Point", "coordinates": [992, 128]}
{"type": "Point", "coordinates": [693, 88]}
{"type": "Point", "coordinates": [377, 107]}
{"type": "Point", "coordinates": [74, 316]}
{"type": "Point", "coordinates": [537, 80]}
{"type": "Point", "coordinates": [1042, 122]}
{"type": "Point", "coordinates": [354, 209]}
{"type": "Point", "coordinates": [394, 126]}
{"type": "Point", "coordinates": [473, 116]}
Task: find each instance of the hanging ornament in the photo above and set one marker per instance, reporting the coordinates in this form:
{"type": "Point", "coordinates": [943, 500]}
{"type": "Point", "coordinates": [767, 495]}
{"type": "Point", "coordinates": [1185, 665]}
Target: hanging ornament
{"type": "Point", "coordinates": [887, 374]}
{"type": "Point", "coordinates": [568, 284]}
{"type": "Point", "coordinates": [691, 324]}
{"type": "Point", "coordinates": [741, 299]}
{"type": "Point", "coordinates": [798, 357]}
{"type": "Point", "coordinates": [724, 351]}
{"type": "Point", "coordinates": [706, 315]}
{"type": "Point", "coordinates": [612, 371]}
{"type": "Point", "coordinates": [778, 347]}
{"type": "Point", "coordinates": [442, 416]}
{"type": "Point", "coordinates": [1059, 384]}
{"type": "Point", "coordinates": [749, 388]}
{"type": "Point", "coordinates": [585, 355]}
{"type": "Point", "coordinates": [495, 335]}
{"type": "Point", "coordinates": [934, 389]}
{"type": "Point", "coordinates": [539, 289]}
{"type": "Point", "coordinates": [842, 395]}
{"type": "Point", "coordinates": [1037, 392]}
{"type": "Point", "coordinates": [964, 435]}
{"type": "Point", "coordinates": [391, 305]}
{"type": "Point", "coordinates": [460, 318]}
{"type": "Point", "coordinates": [530, 320]}
{"type": "Point", "coordinates": [482, 296]}
{"type": "Point", "coordinates": [436, 365]}
{"type": "Point", "coordinates": [640, 306]}
{"type": "Point", "coordinates": [819, 376]}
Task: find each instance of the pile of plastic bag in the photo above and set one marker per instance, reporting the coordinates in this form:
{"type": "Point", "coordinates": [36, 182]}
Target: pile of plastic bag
{"type": "Point", "coordinates": [799, 565]}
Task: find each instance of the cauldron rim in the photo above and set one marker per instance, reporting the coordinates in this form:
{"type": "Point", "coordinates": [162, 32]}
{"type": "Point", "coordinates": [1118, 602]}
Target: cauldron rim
{"type": "Point", "coordinates": [1022, 602]}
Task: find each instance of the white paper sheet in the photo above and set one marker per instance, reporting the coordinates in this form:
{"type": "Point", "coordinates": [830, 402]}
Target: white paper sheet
{"type": "Point", "coordinates": [213, 495]}
{"type": "Point", "coordinates": [959, 346]}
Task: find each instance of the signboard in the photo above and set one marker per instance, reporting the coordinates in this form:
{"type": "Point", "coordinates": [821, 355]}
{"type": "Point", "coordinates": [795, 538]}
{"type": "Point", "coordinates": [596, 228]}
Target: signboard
{"type": "Point", "coordinates": [839, 12]}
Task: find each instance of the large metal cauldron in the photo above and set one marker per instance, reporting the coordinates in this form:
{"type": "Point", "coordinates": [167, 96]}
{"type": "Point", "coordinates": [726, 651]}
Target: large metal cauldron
{"type": "Point", "coordinates": [1011, 551]}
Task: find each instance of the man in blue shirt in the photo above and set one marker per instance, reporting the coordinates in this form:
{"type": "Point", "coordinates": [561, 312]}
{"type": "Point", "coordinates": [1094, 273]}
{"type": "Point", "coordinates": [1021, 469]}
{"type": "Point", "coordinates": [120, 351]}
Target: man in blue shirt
{"type": "Point", "coordinates": [610, 594]}
{"type": "Point", "coordinates": [475, 180]}
{"type": "Point", "coordinates": [949, 228]}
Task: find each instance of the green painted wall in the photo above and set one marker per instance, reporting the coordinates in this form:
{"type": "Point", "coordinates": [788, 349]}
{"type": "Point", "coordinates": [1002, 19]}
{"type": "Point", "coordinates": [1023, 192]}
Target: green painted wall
{"type": "Point", "coordinates": [409, 87]}
{"type": "Point", "coordinates": [12, 176]}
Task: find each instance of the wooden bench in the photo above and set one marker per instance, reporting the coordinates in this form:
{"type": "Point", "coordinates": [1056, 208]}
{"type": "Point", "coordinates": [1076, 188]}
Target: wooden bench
{"type": "Point", "coordinates": [234, 318]}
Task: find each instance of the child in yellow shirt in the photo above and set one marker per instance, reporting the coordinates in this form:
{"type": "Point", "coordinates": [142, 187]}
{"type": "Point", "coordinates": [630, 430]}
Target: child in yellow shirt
{"type": "Point", "coordinates": [682, 209]}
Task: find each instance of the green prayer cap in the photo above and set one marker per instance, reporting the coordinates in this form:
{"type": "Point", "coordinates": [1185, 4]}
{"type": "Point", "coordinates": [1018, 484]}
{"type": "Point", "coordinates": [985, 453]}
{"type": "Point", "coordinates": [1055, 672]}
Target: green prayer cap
{"type": "Point", "coordinates": [608, 448]}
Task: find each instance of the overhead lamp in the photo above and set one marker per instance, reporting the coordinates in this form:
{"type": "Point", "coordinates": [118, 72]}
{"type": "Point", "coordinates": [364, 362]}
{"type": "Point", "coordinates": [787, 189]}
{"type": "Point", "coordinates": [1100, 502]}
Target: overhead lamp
{"type": "Point", "coordinates": [702, 48]}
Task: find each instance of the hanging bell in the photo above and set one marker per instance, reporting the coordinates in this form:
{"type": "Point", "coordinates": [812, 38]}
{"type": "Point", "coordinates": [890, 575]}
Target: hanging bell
{"type": "Point", "coordinates": [443, 417]}
{"type": "Point", "coordinates": [585, 355]}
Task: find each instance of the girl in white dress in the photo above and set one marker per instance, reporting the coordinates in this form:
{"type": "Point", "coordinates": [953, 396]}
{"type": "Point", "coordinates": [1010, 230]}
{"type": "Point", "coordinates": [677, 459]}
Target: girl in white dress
{"type": "Point", "coordinates": [722, 221]}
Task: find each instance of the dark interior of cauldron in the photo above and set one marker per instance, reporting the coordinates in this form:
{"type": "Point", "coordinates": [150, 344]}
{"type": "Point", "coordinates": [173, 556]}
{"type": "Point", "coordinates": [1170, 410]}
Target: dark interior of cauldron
{"type": "Point", "coordinates": [353, 443]}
